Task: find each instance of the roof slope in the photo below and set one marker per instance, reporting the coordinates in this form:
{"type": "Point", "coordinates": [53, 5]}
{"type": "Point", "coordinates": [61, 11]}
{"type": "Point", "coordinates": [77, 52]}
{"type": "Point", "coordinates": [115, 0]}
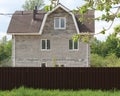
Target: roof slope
{"type": "Point", "coordinates": [86, 26]}
{"type": "Point", "coordinates": [23, 22]}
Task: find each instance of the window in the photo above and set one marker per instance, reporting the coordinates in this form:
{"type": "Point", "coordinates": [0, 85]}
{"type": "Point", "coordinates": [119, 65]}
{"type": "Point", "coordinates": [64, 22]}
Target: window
{"type": "Point", "coordinates": [73, 45]}
{"type": "Point", "coordinates": [45, 44]}
{"type": "Point", "coordinates": [62, 65]}
{"type": "Point", "coordinates": [43, 65]}
{"type": "Point", "coordinates": [59, 23]}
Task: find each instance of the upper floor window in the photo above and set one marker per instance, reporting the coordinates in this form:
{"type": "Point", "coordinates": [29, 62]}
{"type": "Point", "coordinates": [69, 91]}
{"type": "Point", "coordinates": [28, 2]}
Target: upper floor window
{"type": "Point", "coordinates": [59, 23]}
{"type": "Point", "coordinates": [45, 44]}
{"type": "Point", "coordinates": [73, 45]}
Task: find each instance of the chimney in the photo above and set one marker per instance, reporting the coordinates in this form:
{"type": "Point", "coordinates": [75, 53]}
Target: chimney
{"type": "Point", "coordinates": [34, 13]}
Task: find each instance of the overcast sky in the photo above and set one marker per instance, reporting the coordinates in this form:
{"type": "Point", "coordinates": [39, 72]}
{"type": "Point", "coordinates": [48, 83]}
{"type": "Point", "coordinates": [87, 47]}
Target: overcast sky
{"type": "Point", "coordinates": [10, 6]}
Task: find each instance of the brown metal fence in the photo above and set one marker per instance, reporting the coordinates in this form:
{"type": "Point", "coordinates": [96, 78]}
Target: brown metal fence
{"type": "Point", "coordinates": [60, 78]}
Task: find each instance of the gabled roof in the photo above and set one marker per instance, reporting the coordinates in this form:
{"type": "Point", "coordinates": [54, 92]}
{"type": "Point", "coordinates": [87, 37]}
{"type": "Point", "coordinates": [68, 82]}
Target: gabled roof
{"type": "Point", "coordinates": [22, 22]}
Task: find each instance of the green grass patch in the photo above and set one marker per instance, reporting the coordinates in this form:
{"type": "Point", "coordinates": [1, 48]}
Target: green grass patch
{"type": "Point", "coordinates": [39, 92]}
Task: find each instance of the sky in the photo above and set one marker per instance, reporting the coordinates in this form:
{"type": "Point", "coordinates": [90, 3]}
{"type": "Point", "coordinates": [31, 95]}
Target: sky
{"type": "Point", "coordinates": [10, 6]}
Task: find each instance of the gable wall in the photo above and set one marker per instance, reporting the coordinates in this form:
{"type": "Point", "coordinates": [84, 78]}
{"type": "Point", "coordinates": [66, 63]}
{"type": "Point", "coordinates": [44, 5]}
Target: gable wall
{"type": "Point", "coordinates": [49, 25]}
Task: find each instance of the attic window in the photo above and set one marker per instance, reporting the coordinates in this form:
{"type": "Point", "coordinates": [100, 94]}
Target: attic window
{"type": "Point", "coordinates": [59, 23]}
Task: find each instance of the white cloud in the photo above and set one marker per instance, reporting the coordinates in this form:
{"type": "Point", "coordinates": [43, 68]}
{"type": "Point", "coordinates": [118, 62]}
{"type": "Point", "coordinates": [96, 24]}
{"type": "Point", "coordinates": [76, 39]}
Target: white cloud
{"type": "Point", "coordinates": [2, 34]}
{"type": "Point", "coordinates": [1, 1]}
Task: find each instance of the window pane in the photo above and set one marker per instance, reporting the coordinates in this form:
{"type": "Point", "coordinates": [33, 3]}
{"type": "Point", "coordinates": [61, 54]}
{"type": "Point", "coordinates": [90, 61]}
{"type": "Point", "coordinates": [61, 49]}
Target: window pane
{"type": "Point", "coordinates": [56, 22]}
{"type": "Point", "coordinates": [76, 45]}
{"type": "Point", "coordinates": [62, 23]}
{"type": "Point", "coordinates": [70, 44]}
{"type": "Point", "coordinates": [48, 44]}
{"type": "Point", "coordinates": [43, 65]}
{"type": "Point", "coordinates": [43, 44]}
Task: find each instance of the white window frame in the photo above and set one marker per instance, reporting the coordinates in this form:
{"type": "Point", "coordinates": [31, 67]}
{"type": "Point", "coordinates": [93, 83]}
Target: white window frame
{"type": "Point", "coordinates": [60, 23]}
{"type": "Point", "coordinates": [73, 47]}
{"type": "Point", "coordinates": [45, 45]}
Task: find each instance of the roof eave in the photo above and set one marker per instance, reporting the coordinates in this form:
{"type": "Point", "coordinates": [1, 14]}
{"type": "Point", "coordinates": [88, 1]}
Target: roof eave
{"type": "Point", "coordinates": [13, 33]}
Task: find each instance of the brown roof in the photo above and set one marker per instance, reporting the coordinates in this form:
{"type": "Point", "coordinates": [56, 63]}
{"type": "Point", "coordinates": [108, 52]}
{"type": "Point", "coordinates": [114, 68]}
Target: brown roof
{"type": "Point", "coordinates": [23, 22]}
{"type": "Point", "coordinates": [88, 24]}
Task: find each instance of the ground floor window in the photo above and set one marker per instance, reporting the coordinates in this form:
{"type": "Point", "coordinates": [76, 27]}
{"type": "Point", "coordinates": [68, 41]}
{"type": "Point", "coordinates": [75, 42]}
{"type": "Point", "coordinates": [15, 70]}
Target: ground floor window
{"type": "Point", "coordinates": [43, 65]}
{"type": "Point", "coordinates": [45, 44]}
{"type": "Point", "coordinates": [73, 45]}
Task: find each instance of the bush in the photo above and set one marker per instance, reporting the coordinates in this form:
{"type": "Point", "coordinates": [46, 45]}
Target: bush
{"type": "Point", "coordinates": [112, 60]}
{"type": "Point", "coordinates": [109, 61]}
{"type": "Point", "coordinates": [97, 61]}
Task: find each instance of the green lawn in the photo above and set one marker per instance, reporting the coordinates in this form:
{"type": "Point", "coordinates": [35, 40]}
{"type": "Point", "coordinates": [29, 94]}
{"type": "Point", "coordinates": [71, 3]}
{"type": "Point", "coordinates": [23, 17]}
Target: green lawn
{"type": "Point", "coordinates": [38, 92]}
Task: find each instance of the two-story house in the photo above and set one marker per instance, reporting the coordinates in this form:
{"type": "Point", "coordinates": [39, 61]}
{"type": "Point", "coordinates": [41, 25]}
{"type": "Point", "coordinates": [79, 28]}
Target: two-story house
{"type": "Point", "coordinates": [44, 39]}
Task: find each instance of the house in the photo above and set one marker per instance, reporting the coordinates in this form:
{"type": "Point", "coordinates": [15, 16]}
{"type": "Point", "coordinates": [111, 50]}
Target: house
{"type": "Point", "coordinates": [44, 39]}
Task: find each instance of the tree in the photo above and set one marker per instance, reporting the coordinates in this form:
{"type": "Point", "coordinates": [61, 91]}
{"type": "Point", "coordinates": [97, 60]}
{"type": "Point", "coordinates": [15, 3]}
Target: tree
{"type": "Point", "coordinates": [30, 4]}
{"type": "Point", "coordinates": [4, 40]}
{"type": "Point", "coordinates": [102, 5]}
{"type": "Point", "coordinates": [98, 47]}
{"type": "Point", "coordinates": [5, 50]}
{"type": "Point", "coordinates": [53, 4]}
{"type": "Point", "coordinates": [110, 46]}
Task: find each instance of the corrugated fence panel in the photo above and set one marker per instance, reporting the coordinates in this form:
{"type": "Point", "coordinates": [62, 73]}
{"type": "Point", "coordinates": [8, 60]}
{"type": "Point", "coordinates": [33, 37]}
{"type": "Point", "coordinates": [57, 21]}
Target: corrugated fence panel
{"type": "Point", "coordinates": [60, 78]}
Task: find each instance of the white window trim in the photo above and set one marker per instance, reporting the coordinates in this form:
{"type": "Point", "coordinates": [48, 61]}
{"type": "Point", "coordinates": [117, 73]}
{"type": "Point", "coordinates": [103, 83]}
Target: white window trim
{"type": "Point", "coordinates": [73, 49]}
{"type": "Point", "coordinates": [45, 45]}
{"type": "Point", "coordinates": [60, 22]}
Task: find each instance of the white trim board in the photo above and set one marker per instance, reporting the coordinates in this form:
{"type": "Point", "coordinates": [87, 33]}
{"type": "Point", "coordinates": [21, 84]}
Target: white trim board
{"type": "Point", "coordinates": [64, 8]}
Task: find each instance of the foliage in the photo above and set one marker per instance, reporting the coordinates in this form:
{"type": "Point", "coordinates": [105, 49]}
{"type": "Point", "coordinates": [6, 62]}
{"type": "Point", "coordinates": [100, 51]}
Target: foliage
{"type": "Point", "coordinates": [5, 50]}
{"type": "Point", "coordinates": [104, 6]}
{"type": "Point", "coordinates": [53, 4]}
{"type": "Point", "coordinates": [112, 60]}
{"type": "Point", "coordinates": [110, 46]}
{"type": "Point", "coordinates": [97, 61]}
{"type": "Point", "coordinates": [83, 37]}
{"type": "Point", "coordinates": [109, 61]}
{"type": "Point", "coordinates": [107, 53]}
{"type": "Point", "coordinates": [40, 92]}
{"type": "Point", "coordinates": [48, 8]}
{"type": "Point", "coordinates": [30, 4]}
{"type": "Point", "coordinates": [117, 31]}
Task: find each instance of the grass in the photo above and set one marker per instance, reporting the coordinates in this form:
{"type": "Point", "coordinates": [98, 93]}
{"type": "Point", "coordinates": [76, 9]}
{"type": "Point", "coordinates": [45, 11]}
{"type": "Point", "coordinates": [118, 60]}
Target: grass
{"type": "Point", "coordinates": [39, 92]}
